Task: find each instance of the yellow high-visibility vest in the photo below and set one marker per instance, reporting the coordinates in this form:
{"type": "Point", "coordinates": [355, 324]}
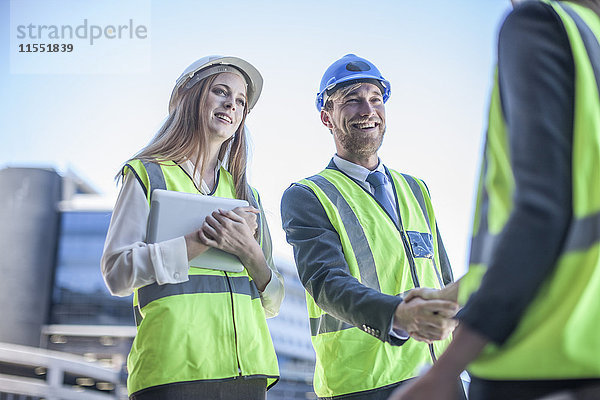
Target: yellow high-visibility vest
{"type": "Point", "coordinates": [558, 335]}
{"type": "Point", "coordinates": [350, 358]}
{"type": "Point", "coordinates": [212, 327]}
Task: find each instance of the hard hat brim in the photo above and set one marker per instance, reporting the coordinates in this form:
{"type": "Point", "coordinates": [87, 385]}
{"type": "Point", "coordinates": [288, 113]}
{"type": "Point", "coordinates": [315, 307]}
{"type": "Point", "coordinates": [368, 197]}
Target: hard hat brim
{"type": "Point", "coordinates": [383, 85]}
{"type": "Point", "coordinates": [254, 79]}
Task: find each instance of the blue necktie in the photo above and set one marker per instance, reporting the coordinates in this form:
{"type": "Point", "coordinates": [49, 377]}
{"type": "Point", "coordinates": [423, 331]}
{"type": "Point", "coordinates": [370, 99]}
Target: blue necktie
{"type": "Point", "coordinates": [378, 181]}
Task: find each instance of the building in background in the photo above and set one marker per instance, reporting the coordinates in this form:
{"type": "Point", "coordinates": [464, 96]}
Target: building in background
{"type": "Point", "coordinates": [52, 231]}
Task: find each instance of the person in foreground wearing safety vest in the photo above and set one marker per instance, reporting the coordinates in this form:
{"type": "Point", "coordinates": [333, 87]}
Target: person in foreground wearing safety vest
{"type": "Point", "coordinates": [363, 235]}
{"type": "Point", "coordinates": [201, 333]}
{"type": "Point", "coordinates": [531, 323]}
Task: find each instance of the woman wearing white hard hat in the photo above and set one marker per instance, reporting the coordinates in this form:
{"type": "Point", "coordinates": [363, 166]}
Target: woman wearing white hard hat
{"type": "Point", "coordinates": [201, 333]}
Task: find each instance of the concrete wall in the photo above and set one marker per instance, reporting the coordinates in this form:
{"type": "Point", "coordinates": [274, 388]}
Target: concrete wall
{"type": "Point", "coordinates": [28, 238]}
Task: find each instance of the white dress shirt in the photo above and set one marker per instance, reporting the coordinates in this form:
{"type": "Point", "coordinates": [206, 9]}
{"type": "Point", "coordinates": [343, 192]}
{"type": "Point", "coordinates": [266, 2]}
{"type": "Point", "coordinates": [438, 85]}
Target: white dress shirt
{"type": "Point", "coordinates": [360, 174]}
{"type": "Point", "coordinates": [128, 262]}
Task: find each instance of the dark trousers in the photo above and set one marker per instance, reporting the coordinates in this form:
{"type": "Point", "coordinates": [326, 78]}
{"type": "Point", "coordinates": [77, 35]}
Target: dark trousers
{"type": "Point", "coordinates": [386, 391]}
{"type": "Point", "coordinates": [234, 389]}
{"type": "Point", "coordinates": [482, 389]}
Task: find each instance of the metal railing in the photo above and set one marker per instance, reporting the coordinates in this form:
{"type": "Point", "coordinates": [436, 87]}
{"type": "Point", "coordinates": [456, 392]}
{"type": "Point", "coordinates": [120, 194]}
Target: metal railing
{"type": "Point", "coordinates": [41, 373]}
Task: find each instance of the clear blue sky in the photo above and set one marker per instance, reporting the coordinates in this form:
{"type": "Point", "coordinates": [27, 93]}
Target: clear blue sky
{"type": "Point", "coordinates": [438, 55]}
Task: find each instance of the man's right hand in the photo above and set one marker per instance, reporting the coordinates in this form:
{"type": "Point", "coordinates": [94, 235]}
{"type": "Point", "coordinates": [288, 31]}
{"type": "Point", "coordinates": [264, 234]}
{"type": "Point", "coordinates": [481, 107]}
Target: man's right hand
{"type": "Point", "coordinates": [426, 320]}
{"type": "Point", "coordinates": [449, 292]}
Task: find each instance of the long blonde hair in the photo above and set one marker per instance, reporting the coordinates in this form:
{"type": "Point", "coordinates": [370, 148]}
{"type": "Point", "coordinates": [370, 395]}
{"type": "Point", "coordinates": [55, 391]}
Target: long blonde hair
{"type": "Point", "coordinates": [183, 137]}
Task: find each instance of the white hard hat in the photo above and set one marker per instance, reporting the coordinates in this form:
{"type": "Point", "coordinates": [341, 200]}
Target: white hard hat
{"type": "Point", "coordinates": [205, 66]}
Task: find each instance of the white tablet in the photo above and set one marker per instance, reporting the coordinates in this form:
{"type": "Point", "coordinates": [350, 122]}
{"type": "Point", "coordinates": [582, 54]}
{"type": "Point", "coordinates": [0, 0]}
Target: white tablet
{"type": "Point", "coordinates": [174, 214]}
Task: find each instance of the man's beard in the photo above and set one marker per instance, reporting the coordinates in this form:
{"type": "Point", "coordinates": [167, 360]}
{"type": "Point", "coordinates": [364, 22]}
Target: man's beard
{"type": "Point", "coordinates": [356, 143]}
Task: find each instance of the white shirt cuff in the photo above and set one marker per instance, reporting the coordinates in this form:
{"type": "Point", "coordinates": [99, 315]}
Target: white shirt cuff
{"type": "Point", "coordinates": [272, 296]}
{"type": "Point", "coordinates": [173, 255]}
{"type": "Point", "coordinates": [398, 333]}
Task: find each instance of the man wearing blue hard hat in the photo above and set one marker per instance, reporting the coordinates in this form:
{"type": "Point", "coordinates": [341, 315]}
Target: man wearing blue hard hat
{"type": "Point", "coordinates": [363, 235]}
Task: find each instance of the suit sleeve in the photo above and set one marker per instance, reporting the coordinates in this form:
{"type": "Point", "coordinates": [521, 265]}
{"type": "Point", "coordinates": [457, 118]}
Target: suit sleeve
{"type": "Point", "coordinates": [323, 269]}
{"type": "Point", "coordinates": [536, 81]}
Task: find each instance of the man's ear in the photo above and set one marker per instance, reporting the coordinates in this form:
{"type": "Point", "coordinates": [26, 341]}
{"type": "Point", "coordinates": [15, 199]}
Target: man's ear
{"type": "Point", "coordinates": [326, 119]}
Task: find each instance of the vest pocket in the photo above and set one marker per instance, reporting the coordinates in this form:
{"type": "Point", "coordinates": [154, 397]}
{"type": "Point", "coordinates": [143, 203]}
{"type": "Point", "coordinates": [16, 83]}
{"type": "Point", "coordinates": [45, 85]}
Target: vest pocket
{"type": "Point", "coordinates": [421, 244]}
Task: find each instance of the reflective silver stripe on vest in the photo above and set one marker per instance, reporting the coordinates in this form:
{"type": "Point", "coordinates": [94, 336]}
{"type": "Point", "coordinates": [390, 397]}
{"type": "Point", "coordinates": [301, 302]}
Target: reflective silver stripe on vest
{"type": "Point", "coordinates": [356, 234]}
{"type": "Point", "coordinates": [198, 284]}
{"type": "Point", "coordinates": [417, 192]}
{"type": "Point", "coordinates": [364, 257]}
{"type": "Point", "coordinates": [481, 248]}
{"type": "Point", "coordinates": [326, 323]}
{"type": "Point", "coordinates": [137, 315]}
{"type": "Point", "coordinates": [583, 233]}
{"type": "Point", "coordinates": [482, 242]}
{"type": "Point", "coordinates": [157, 181]}
{"type": "Point", "coordinates": [155, 176]}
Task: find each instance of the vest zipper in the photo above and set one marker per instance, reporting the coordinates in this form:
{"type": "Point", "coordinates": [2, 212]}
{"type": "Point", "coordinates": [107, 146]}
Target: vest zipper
{"type": "Point", "coordinates": [409, 256]}
{"type": "Point", "coordinates": [432, 352]}
{"type": "Point", "coordinates": [237, 357]}
{"type": "Point", "coordinates": [413, 268]}
{"type": "Point", "coordinates": [437, 273]}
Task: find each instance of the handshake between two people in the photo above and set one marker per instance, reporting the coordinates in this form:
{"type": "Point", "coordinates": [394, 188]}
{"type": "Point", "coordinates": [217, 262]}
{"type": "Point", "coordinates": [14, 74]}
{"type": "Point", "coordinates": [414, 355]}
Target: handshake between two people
{"type": "Point", "coordinates": [428, 314]}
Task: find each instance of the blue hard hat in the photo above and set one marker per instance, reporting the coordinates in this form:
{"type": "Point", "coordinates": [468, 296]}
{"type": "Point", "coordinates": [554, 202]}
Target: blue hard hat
{"type": "Point", "coordinates": [350, 69]}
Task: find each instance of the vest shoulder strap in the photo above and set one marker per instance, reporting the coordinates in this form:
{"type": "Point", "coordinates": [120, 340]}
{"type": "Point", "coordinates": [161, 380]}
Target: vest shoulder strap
{"type": "Point", "coordinates": [151, 180]}
{"type": "Point", "coordinates": [590, 40]}
{"type": "Point", "coordinates": [156, 176]}
{"type": "Point", "coordinates": [416, 190]}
